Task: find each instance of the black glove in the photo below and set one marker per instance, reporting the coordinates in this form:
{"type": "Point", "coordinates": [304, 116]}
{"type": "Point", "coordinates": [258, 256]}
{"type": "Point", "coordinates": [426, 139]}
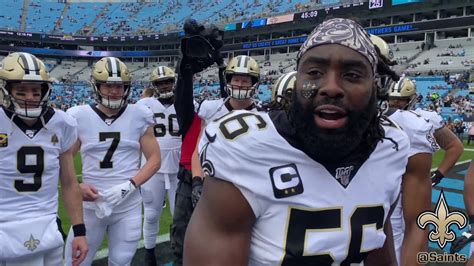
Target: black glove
{"type": "Point", "coordinates": [185, 63]}
{"type": "Point", "coordinates": [460, 242]}
{"type": "Point", "coordinates": [197, 190]}
{"type": "Point", "coordinates": [436, 177]}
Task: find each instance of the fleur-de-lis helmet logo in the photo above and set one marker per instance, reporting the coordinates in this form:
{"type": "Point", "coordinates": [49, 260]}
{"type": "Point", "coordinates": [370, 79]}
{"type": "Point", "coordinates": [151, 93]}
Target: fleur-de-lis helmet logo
{"type": "Point", "coordinates": [442, 219]}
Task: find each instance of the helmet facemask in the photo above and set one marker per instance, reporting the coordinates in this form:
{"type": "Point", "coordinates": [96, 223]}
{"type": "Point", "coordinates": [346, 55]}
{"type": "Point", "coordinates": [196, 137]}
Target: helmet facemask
{"type": "Point", "coordinates": [242, 65]}
{"type": "Point", "coordinates": [404, 89]}
{"type": "Point", "coordinates": [27, 110]}
{"type": "Point", "coordinates": [112, 71]}
{"type": "Point", "coordinates": [106, 100]}
{"type": "Point", "coordinates": [24, 73]}
{"type": "Point", "coordinates": [241, 92]}
{"type": "Point", "coordinates": [164, 92]}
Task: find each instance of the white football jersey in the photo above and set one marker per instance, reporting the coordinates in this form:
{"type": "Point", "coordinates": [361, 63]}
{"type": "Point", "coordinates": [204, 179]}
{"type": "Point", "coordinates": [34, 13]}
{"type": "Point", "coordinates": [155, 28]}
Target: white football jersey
{"type": "Point", "coordinates": [420, 134]}
{"type": "Point", "coordinates": [166, 133]}
{"type": "Point", "coordinates": [304, 215]}
{"type": "Point", "coordinates": [110, 147]}
{"type": "Point", "coordinates": [29, 163]}
{"type": "Point", "coordinates": [418, 129]}
{"type": "Point", "coordinates": [434, 118]}
{"type": "Point", "coordinates": [210, 110]}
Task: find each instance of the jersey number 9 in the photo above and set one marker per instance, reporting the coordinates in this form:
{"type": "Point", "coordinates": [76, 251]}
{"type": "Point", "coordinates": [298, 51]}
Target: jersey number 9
{"type": "Point", "coordinates": [30, 160]}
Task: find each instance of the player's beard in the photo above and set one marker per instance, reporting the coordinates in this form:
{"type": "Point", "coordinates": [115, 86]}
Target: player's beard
{"type": "Point", "coordinates": [331, 145]}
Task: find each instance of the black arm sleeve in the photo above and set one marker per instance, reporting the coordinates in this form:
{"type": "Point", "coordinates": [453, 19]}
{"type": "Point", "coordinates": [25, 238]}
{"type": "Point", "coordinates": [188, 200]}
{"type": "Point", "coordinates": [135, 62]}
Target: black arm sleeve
{"type": "Point", "coordinates": [222, 83]}
{"type": "Point", "coordinates": [184, 99]}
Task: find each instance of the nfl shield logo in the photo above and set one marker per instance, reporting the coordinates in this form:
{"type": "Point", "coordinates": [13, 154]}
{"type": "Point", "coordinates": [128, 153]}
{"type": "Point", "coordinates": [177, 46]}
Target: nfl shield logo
{"type": "Point", "coordinates": [343, 175]}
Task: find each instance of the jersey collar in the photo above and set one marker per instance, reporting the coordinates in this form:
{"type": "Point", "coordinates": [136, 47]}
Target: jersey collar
{"type": "Point", "coordinates": [30, 131]}
{"type": "Point", "coordinates": [230, 108]}
{"type": "Point", "coordinates": [108, 119]}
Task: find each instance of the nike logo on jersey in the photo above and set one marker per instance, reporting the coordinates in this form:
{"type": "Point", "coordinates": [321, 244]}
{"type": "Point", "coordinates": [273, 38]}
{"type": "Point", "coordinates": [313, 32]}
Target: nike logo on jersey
{"type": "Point", "coordinates": [209, 137]}
{"type": "Point", "coordinates": [286, 181]}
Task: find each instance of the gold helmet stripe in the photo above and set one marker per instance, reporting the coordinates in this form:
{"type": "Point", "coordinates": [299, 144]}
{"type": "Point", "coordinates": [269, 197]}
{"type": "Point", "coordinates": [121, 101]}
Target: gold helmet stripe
{"type": "Point", "coordinates": [30, 64]}
{"type": "Point", "coordinates": [285, 81]}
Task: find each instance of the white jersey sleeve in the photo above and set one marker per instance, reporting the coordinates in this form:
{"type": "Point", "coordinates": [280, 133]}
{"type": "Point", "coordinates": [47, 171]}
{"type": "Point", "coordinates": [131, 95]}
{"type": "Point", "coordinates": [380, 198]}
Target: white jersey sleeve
{"type": "Point", "coordinates": [434, 118]}
{"type": "Point", "coordinates": [70, 131]}
{"type": "Point", "coordinates": [419, 131]}
{"type": "Point", "coordinates": [212, 109]}
{"type": "Point", "coordinates": [147, 116]}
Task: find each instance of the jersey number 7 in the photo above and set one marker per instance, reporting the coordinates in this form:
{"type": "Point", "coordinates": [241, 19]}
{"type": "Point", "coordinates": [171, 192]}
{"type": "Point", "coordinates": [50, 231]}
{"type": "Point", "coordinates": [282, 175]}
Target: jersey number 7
{"type": "Point", "coordinates": [103, 136]}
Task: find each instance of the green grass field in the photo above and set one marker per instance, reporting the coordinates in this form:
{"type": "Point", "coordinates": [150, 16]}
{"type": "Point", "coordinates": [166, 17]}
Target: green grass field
{"type": "Point", "coordinates": [166, 218]}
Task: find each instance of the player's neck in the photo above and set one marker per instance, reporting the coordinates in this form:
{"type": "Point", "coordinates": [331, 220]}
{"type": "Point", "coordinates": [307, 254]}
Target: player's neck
{"type": "Point", "coordinates": [240, 105]}
{"type": "Point", "coordinates": [30, 122]}
{"type": "Point", "coordinates": [108, 111]}
{"type": "Point", "coordinates": [168, 101]}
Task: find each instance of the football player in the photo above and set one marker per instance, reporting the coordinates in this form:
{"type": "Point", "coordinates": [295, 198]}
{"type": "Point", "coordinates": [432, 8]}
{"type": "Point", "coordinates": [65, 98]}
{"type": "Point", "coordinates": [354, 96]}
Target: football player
{"type": "Point", "coordinates": [290, 187]}
{"type": "Point", "coordinates": [163, 80]}
{"type": "Point", "coordinates": [403, 96]}
{"type": "Point", "coordinates": [35, 149]}
{"type": "Point", "coordinates": [111, 135]}
{"type": "Point", "coordinates": [242, 75]}
{"type": "Point", "coordinates": [282, 90]}
{"type": "Point", "coordinates": [409, 239]}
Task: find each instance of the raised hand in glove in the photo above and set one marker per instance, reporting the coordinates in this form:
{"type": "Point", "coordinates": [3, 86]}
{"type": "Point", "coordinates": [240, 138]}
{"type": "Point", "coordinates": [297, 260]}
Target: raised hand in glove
{"type": "Point", "coordinates": [460, 242]}
{"type": "Point", "coordinates": [197, 190]}
{"type": "Point", "coordinates": [118, 193]}
{"type": "Point", "coordinates": [436, 177]}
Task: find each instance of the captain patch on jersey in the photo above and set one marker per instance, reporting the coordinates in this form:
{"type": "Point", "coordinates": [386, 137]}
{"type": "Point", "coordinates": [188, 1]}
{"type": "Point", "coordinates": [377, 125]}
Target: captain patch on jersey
{"type": "Point", "coordinates": [311, 212]}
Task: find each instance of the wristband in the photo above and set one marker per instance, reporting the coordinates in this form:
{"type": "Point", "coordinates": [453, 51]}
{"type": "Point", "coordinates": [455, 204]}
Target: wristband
{"type": "Point", "coordinates": [79, 230]}
{"type": "Point", "coordinates": [133, 183]}
{"type": "Point", "coordinates": [437, 173]}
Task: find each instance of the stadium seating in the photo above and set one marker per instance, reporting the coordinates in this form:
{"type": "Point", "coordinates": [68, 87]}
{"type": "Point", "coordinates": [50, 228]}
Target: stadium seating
{"type": "Point", "coordinates": [43, 16]}
{"type": "Point", "coordinates": [10, 17]}
{"type": "Point", "coordinates": [454, 62]}
{"type": "Point", "coordinates": [80, 15]}
{"type": "Point", "coordinates": [130, 18]}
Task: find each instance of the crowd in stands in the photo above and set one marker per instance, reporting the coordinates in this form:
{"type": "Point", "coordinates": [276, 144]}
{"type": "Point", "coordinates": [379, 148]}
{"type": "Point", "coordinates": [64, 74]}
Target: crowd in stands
{"type": "Point", "coordinates": [132, 17]}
